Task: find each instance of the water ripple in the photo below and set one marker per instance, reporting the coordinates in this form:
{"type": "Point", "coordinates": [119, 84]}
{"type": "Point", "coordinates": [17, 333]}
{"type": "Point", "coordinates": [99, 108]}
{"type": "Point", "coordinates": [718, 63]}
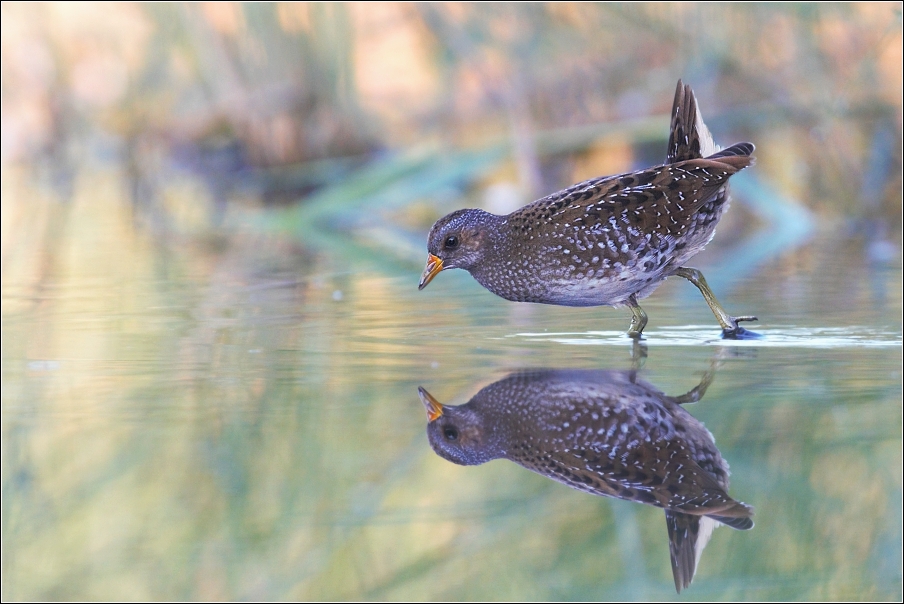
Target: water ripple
{"type": "Point", "coordinates": [705, 335]}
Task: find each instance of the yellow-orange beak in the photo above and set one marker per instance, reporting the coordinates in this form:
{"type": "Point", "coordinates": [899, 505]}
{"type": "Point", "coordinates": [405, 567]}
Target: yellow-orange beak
{"type": "Point", "coordinates": [433, 406]}
{"type": "Point", "coordinates": [434, 266]}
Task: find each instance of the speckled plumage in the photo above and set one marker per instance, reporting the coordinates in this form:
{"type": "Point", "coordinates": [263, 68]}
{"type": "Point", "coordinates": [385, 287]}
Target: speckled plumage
{"type": "Point", "coordinates": [605, 433]}
{"type": "Point", "coordinates": [606, 241]}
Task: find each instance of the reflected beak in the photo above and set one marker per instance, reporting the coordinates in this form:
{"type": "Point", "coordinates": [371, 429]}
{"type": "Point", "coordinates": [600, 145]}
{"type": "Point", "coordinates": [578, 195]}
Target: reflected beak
{"type": "Point", "coordinates": [434, 266]}
{"type": "Point", "coordinates": [433, 406]}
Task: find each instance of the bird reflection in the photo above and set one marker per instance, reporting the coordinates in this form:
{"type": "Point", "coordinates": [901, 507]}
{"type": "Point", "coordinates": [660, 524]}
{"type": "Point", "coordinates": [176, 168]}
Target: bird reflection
{"type": "Point", "coordinates": [606, 433]}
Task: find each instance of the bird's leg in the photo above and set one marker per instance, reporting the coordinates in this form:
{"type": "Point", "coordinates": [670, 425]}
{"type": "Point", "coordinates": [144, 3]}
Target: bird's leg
{"type": "Point", "coordinates": [638, 318]}
{"type": "Point", "coordinates": [697, 393]}
{"type": "Point", "coordinates": [730, 328]}
{"type": "Point", "coordinates": [638, 357]}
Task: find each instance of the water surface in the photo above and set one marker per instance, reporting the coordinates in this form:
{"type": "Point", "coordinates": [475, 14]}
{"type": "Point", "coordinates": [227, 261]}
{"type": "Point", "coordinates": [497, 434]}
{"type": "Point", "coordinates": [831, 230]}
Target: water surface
{"type": "Point", "coordinates": [238, 418]}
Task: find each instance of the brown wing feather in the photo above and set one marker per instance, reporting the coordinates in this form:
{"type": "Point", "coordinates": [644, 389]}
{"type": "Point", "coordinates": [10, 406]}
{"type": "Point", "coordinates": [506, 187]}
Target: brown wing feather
{"type": "Point", "coordinates": [657, 200]}
{"type": "Point", "coordinates": [661, 473]}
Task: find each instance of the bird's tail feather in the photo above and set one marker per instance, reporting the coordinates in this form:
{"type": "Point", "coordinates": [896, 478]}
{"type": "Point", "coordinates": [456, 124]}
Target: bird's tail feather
{"type": "Point", "coordinates": [689, 138]}
{"type": "Point", "coordinates": [689, 534]}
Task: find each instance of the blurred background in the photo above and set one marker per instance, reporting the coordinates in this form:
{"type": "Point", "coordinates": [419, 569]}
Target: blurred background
{"type": "Point", "coordinates": [213, 222]}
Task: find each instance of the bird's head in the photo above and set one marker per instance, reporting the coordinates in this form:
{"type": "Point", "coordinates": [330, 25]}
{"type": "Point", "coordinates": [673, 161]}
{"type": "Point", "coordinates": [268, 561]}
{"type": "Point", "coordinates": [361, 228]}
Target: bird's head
{"type": "Point", "coordinates": [458, 240]}
{"type": "Point", "coordinates": [457, 433]}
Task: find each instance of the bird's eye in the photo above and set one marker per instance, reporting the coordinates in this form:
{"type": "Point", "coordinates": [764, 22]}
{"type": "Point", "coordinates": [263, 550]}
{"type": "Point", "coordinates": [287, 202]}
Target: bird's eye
{"type": "Point", "coordinates": [450, 433]}
{"type": "Point", "coordinates": [451, 242]}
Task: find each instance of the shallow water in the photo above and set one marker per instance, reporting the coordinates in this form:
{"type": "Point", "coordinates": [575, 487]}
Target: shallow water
{"type": "Point", "coordinates": [239, 419]}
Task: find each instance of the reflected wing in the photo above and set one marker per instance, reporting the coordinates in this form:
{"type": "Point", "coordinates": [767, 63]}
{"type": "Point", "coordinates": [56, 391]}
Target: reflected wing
{"type": "Point", "coordinates": [660, 473]}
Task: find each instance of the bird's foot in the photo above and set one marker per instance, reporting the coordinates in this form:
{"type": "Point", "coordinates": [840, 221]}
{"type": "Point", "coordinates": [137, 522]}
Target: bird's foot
{"type": "Point", "coordinates": [736, 332]}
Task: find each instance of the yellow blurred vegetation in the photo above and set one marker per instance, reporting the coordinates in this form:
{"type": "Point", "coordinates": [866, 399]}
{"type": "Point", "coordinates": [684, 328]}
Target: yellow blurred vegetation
{"type": "Point", "coordinates": [289, 83]}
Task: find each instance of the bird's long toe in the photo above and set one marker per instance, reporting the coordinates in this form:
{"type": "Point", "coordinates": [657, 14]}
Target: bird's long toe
{"type": "Point", "coordinates": [736, 332]}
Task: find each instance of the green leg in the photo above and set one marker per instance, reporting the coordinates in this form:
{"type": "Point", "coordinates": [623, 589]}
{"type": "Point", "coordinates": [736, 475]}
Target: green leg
{"type": "Point", "coordinates": [697, 393]}
{"type": "Point", "coordinates": [638, 356]}
{"type": "Point", "coordinates": [638, 318]}
{"type": "Point", "coordinates": [729, 324]}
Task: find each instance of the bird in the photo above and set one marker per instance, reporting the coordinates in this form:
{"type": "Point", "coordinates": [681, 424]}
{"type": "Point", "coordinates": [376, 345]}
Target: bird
{"type": "Point", "coordinates": [602, 432]}
{"type": "Point", "coordinates": [607, 241]}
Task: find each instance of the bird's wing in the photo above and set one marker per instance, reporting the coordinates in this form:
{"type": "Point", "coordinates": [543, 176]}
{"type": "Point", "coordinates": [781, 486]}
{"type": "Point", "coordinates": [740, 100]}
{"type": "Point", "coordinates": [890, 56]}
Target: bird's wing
{"type": "Point", "coordinates": [660, 473]}
{"type": "Point", "coordinates": [659, 200]}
